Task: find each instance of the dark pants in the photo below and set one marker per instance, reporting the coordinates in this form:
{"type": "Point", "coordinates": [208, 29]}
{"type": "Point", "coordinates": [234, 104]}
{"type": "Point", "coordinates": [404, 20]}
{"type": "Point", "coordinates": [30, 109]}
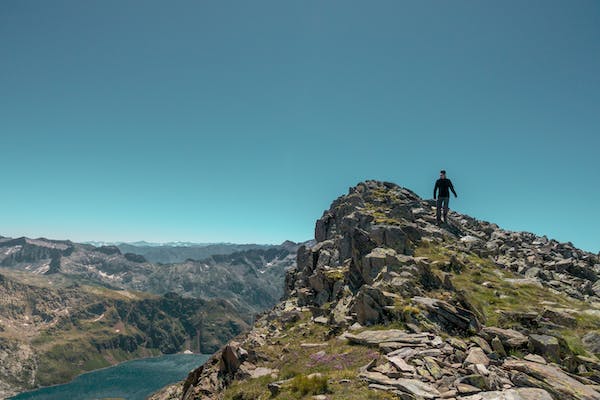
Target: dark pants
{"type": "Point", "coordinates": [442, 202]}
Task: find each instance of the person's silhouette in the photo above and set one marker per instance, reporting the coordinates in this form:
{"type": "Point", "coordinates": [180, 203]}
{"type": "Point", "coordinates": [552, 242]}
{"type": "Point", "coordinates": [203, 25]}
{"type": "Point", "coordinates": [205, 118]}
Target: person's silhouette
{"type": "Point", "coordinates": [441, 193]}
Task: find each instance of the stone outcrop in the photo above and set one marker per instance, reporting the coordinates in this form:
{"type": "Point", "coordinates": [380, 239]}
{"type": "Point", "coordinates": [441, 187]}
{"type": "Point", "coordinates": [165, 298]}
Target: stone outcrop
{"type": "Point", "coordinates": [460, 311]}
{"type": "Point", "coordinates": [512, 394]}
{"type": "Point", "coordinates": [550, 378]}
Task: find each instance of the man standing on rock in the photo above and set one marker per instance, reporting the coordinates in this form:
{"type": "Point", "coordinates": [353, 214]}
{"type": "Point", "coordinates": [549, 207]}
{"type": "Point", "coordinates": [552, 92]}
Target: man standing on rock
{"type": "Point", "coordinates": [443, 196]}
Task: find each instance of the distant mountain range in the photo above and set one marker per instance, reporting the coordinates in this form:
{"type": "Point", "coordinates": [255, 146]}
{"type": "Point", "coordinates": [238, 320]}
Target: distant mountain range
{"type": "Point", "coordinates": [244, 278]}
{"type": "Point", "coordinates": [94, 306]}
{"type": "Point", "coordinates": [152, 244]}
{"type": "Point", "coordinates": [174, 252]}
{"type": "Point", "coordinates": [179, 252]}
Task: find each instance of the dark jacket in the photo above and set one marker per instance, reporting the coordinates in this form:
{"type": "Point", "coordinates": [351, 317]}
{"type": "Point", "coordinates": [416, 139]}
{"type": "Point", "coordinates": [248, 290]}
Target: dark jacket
{"type": "Point", "coordinates": [443, 185]}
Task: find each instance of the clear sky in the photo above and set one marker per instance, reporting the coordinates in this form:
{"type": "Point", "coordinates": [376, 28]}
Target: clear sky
{"type": "Point", "coordinates": [242, 120]}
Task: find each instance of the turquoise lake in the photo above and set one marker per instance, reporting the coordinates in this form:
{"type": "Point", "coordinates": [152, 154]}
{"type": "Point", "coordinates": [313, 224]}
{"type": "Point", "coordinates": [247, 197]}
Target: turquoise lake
{"type": "Point", "coordinates": [131, 380]}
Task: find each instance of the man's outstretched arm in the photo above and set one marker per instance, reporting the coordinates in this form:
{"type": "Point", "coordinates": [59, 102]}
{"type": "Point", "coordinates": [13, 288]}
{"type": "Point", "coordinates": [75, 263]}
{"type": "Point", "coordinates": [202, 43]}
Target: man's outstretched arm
{"type": "Point", "coordinates": [452, 188]}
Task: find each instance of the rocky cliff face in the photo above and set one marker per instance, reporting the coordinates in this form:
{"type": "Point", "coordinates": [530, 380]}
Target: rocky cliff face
{"type": "Point", "coordinates": [52, 328]}
{"type": "Point", "coordinates": [387, 305]}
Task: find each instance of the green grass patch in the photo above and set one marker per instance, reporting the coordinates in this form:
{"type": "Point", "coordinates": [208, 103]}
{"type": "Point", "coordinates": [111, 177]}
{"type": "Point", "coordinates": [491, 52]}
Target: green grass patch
{"type": "Point", "coordinates": [499, 294]}
{"type": "Point", "coordinates": [251, 389]}
{"type": "Point", "coordinates": [336, 274]}
{"type": "Point", "coordinates": [309, 385]}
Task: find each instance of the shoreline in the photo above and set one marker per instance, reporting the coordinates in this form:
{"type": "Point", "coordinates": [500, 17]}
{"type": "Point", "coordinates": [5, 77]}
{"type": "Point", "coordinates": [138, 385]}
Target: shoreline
{"type": "Point", "coordinates": [94, 371]}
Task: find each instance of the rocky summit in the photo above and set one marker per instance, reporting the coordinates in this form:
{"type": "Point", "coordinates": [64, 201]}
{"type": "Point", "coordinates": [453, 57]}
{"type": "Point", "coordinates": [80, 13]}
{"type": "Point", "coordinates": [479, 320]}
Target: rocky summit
{"type": "Point", "coordinates": [388, 305]}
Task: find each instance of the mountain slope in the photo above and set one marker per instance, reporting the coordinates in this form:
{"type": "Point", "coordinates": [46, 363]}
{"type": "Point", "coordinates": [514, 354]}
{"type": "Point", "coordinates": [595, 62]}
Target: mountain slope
{"type": "Point", "coordinates": [388, 305]}
{"type": "Point", "coordinates": [47, 288]}
{"type": "Point", "coordinates": [52, 328]}
{"type": "Point", "coordinates": [250, 279]}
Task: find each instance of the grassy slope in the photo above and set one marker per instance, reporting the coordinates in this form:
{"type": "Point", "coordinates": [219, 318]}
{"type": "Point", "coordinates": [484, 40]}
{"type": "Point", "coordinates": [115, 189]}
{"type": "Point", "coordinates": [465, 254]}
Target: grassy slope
{"type": "Point", "coordinates": [500, 295]}
{"type": "Point", "coordinates": [294, 362]}
{"type": "Point", "coordinates": [80, 340]}
{"type": "Point", "coordinates": [343, 360]}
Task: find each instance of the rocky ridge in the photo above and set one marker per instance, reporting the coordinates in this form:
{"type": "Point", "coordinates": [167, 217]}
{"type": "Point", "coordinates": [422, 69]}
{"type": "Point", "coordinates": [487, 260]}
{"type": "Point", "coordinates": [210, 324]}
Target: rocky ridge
{"type": "Point", "coordinates": [386, 304]}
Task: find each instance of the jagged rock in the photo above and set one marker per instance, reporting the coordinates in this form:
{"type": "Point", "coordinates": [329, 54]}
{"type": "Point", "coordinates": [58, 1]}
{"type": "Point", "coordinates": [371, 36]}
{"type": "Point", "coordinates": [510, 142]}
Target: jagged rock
{"type": "Point", "coordinates": [482, 343]}
{"type": "Point", "coordinates": [231, 358]}
{"type": "Point", "coordinates": [412, 386]}
{"type": "Point", "coordinates": [405, 352]}
{"type": "Point", "coordinates": [551, 379]}
{"type": "Point", "coordinates": [388, 370]}
{"type": "Point", "coordinates": [498, 347]}
{"type": "Point", "coordinates": [591, 364]}
{"type": "Point", "coordinates": [546, 346]}
{"type": "Point", "coordinates": [400, 364]}
{"type": "Point", "coordinates": [321, 227]}
{"type": "Point", "coordinates": [591, 341]}
{"type": "Point", "coordinates": [340, 313]}
{"type": "Point", "coordinates": [375, 261]}
{"type": "Point", "coordinates": [535, 358]}
{"type": "Point", "coordinates": [427, 279]}
{"type": "Point", "coordinates": [509, 337]}
{"type": "Point", "coordinates": [375, 386]}
{"type": "Point", "coordinates": [511, 394]}
{"type": "Point", "coordinates": [475, 380]}
{"type": "Point", "coordinates": [527, 319]}
{"type": "Point", "coordinates": [390, 236]}
{"type": "Point", "coordinates": [373, 338]}
{"type": "Point", "coordinates": [477, 356]}
{"type": "Point", "coordinates": [370, 305]}
{"type": "Point", "coordinates": [449, 394]}
{"type": "Point", "coordinates": [559, 317]}
{"type": "Point", "coordinates": [480, 369]}
{"type": "Point", "coordinates": [321, 288]}
{"type": "Point", "coordinates": [361, 245]}
{"type": "Point", "coordinates": [457, 343]}
{"type": "Point", "coordinates": [466, 389]}
{"type": "Point", "coordinates": [392, 347]}
{"type": "Point", "coordinates": [433, 367]}
{"type": "Point", "coordinates": [455, 317]}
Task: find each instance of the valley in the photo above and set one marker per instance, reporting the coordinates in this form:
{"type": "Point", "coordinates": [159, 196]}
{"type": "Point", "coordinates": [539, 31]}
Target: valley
{"type": "Point", "coordinates": [67, 308]}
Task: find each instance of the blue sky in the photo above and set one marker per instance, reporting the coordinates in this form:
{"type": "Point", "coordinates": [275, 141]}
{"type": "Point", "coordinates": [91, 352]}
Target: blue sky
{"type": "Point", "coordinates": [241, 121]}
